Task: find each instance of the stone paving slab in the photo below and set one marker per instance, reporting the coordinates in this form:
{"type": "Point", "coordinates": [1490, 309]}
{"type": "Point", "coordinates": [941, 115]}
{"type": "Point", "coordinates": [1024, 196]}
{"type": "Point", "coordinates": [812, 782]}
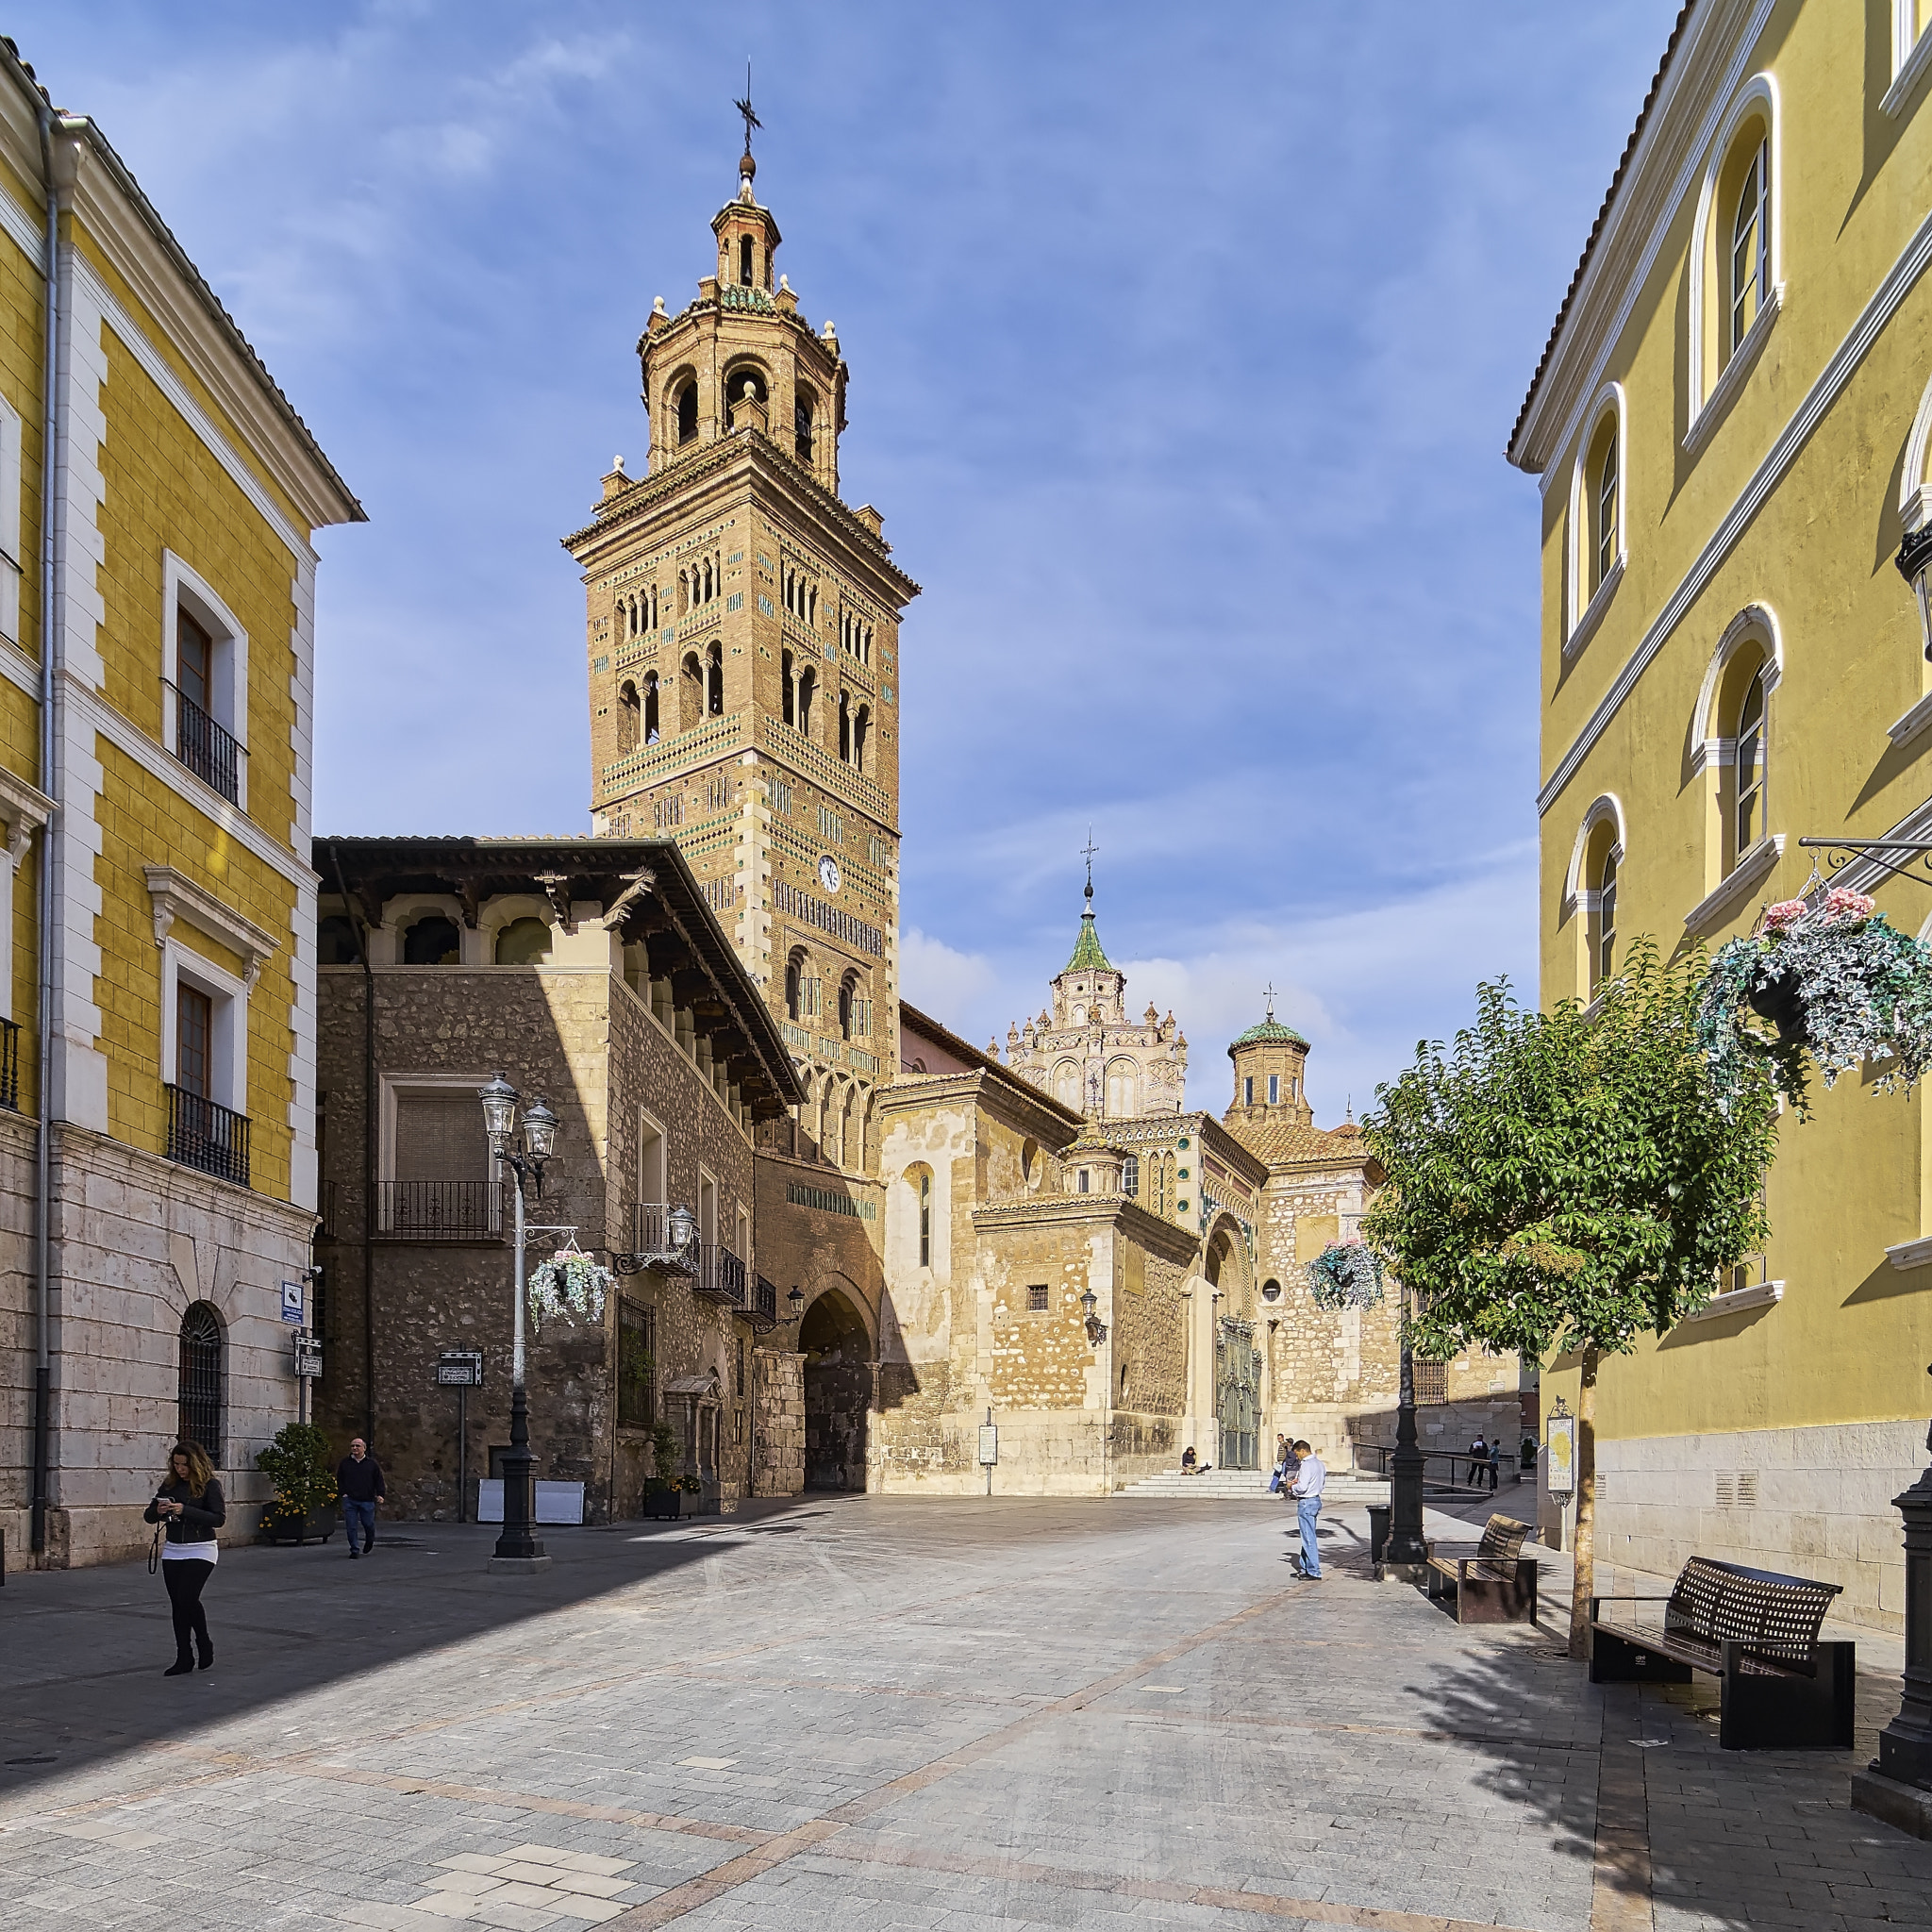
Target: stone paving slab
{"type": "Point", "coordinates": [863, 1712]}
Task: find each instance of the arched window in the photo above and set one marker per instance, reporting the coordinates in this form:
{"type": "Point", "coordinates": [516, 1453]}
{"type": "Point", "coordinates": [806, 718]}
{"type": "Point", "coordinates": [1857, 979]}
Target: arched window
{"type": "Point", "coordinates": [1604, 945]}
{"type": "Point", "coordinates": [203, 1378]}
{"type": "Point", "coordinates": [688, 413]}
{"type": "Point", "coordinates": [791, 687]}
{"type": "Point", "coordinates": [524, 943]}
{"type": "Point", "coordinates": [861, 731]}
{"type": "Point", "coordinates": [848, 1003]}
{"type": "Point", "coordinates": [741, 387]}
{"type": "Point", "coordinates": [792, 990]}
{"type": "Point", "coordinates": [745, 261]}
{"type": "Point", "coordinates": [1748, 817]}
{"type": "Point", "coordinates": [845, 727]}
{"type": "Point", "coordinates": [627, 712]}
{"type": "Point", "coordinates": [1066, 1084]}
{"type": "Point", "coordinates": [1605, 503]}
{"type": "Point", "coordinates": [714, 693]}
{"type": "Point", "coordinates": [926, 1221]}
{"type": "Point", "coordinates": [807, 687]}
{"type": "Point", "coordinates": [801, 425]}
{"type": "Point", "coordinates": [691, 693]}
{"type": "Point", "coordinates": [650, 708]}
{"type": "Point", "coordinates": [1750, 243]}
{"type": "Point", "coordinates": [433, 941]}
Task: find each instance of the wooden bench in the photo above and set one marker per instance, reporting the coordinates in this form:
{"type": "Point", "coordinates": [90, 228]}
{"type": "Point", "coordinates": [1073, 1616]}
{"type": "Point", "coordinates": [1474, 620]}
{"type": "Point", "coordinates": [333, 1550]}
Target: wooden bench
{"type": "Point", "coordinates": [1757, 1633]}
{"type": "Point", "coordinates": [1496, 1584]}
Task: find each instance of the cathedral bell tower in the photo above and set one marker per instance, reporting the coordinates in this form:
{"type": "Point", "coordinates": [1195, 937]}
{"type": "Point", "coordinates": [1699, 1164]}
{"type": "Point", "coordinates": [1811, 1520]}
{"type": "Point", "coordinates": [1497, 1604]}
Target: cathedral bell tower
{"type": "Point", "coordinates": [743, 639]}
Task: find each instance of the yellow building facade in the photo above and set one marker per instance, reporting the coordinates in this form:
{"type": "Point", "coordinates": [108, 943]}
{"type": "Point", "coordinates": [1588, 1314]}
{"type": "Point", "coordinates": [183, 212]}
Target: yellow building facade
{"type": "Point", "coordinates": [1730, 426]}
{"type": "Point", "coordinates": [157, 1103]}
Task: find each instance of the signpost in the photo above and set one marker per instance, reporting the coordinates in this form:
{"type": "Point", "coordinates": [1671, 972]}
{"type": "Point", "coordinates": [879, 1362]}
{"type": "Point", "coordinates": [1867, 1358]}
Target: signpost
{"type": "Point", "coordinates": [461, 1369]}
{"type": "Point", "coordinates": [988, 1448]}
{"type": "Point", "coordinates": [305, 1351]}
{"type": "Point", "coordinates": [1559, 1462]}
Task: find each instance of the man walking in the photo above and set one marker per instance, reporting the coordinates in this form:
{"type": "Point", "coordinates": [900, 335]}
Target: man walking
{"type": "Point", "coordinates": [359, 1478]}
{"type": "Point", "coordinates": [1307, 1491]}
{"type": "Point", "coordinates": [1478, 1461]}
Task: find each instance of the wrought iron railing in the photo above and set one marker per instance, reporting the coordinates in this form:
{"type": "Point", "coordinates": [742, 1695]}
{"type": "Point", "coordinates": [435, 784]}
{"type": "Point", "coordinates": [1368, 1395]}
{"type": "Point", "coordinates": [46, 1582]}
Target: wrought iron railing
{"type": "Point", "coordinates": [1443, 1472]}
{"type": "Point", "coordinates": [714, 1270]}
{"type": "Point", "coordinates": [763, 1309]}
{"type": "Point", "coordinates": [9, 1066]}
{"type": "Point", "coordinates": [720, 1275]}
{"type": "Point", "coordinates": [205, 1133]}
{"type": "Point", "coordinates": [438, 1210]}
{"type": "Point", "coordinates": [210, 751]}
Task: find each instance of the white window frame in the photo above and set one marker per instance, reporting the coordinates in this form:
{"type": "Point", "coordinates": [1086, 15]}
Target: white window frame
{"type": "Point", "coordinates": [227, 1025]}
{"type": "Point", "coordinates": [1581, 614]}
{"type": "Point", "coordinates": [227, 673]}
{"type": "Point", "coordinates": [25, 810]}
{"type": "Point", "coordinates": [1911, 51]}
{"type": "Point", "coordinates": [12, 566]}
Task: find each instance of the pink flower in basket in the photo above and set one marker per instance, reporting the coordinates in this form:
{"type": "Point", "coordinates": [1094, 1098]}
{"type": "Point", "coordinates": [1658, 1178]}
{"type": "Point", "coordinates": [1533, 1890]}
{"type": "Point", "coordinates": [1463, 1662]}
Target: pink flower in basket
{"type": "Point", "coordinates": [1786, 914]}
{"type": "Point", "coordinates": [1842, 903]}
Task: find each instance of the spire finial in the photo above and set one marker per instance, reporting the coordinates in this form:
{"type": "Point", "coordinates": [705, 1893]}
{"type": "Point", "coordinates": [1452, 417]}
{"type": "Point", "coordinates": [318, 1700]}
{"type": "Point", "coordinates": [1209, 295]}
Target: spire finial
{"type": "Point", "coordinates": [743, 107]}
{"type": "Point", "coordinates": [1268, 994]}
{"type": "Point", "coordinates": [1088, 850]}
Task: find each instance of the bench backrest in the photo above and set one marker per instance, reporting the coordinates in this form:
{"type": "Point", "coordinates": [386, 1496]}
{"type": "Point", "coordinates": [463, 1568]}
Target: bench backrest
{"type": "Point", "coordinates": [1774, 1617]}
{"type": "Point", "coordinates": [1502, 1539]}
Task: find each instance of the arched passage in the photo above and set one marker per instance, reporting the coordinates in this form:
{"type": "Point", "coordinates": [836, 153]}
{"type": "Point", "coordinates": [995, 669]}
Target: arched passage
{"type": "Point", "coordinates": [838, 1392]}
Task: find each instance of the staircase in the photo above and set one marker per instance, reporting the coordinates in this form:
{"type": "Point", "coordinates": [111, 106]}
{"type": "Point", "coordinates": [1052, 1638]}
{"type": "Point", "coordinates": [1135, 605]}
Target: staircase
{"type": "Point", "coordinates": [1251, 1486]}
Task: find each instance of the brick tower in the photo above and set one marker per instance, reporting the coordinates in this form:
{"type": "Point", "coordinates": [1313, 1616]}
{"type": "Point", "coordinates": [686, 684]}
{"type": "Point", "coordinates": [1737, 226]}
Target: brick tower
{"type": "Point", "coordinates": [743, 647]}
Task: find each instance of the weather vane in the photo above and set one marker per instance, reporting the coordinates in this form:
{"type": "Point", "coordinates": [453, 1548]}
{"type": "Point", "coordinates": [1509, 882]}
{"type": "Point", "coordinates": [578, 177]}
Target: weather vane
{"type": "Point", "coordinates": [1088, 850]}
{"type": "Point", "coordinates": [743, 107]}
{"type": "Point", "coordinates": [1268, 993]}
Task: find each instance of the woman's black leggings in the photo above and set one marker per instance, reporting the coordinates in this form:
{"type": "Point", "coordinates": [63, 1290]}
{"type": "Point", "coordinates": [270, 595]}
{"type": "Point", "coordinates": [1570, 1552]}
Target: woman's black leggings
{"type": "Point", "coordinates": [185, 1578]}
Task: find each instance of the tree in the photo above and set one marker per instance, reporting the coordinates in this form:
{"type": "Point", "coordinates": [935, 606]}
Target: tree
{"type": "Point", "coordinates": [1566, 1181]}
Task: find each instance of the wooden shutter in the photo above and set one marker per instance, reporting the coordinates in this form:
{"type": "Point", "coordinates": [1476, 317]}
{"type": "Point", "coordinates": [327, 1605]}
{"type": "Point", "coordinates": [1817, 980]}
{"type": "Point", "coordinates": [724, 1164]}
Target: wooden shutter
{"type": "Point", "coordinates": [440, 1137]}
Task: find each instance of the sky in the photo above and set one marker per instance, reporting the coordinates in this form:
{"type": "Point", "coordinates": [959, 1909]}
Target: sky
{"type": "Point", "coordinates": [1184, 345]}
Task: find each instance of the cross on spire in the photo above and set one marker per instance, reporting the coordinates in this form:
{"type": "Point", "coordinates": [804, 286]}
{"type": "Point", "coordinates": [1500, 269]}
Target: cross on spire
{"type": "Point", "coordinates": [1088, 850]}
{"type": "Point", "coordinates": [743, 107]}
{"type": "Point", "coordinates": [1269, 995]}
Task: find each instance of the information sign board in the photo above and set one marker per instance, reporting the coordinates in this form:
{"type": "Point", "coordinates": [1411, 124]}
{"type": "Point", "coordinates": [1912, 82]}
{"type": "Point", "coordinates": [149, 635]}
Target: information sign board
{"type": "Point", "coordinates": [308, 1351]}
{"type": "Point", "coordinates": [1562, 1460]}
{"type": "Point", "coordinates": [292, 1303]}
{"type": "Point", "coordinates": [459, 1369]}
{"type": "Point", "coordinates": [988, 1444]}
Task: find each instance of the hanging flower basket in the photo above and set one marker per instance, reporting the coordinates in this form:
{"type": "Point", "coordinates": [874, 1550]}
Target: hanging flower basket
{"type": "Point", "coordinates": [1837, 980]}
{"type": "Point", "coordinates": [1346, 1275]}
{"type": "Point", "coordinates": [567, 1284]}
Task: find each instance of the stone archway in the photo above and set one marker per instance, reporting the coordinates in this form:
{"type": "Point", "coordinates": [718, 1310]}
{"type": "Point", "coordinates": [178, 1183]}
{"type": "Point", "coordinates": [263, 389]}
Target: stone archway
{"type": "Point", "coordinates": [838, 1392]}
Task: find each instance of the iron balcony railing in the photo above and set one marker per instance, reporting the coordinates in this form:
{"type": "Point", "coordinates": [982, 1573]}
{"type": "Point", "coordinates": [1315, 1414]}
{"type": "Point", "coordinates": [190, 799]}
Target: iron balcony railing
{"type": "Point", "coordinates": [721, 1275]}
{"type": "Point", "coordinates": [763, 1309]}
{"type": "Point", "coordinates": [9, 1066]}
{"type": "Point", "coordinates": [210, 751]}
{"type": "Point", "coordinates": [438, 1210]}
{"type": "Point", "coordinates": [712, 1267]}
{"type": "Point", "coordinates": [205, 1133]}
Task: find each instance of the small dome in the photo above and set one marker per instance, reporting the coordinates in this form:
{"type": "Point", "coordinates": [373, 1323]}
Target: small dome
{"type": "Point", "coordinates": [1270, 1032]}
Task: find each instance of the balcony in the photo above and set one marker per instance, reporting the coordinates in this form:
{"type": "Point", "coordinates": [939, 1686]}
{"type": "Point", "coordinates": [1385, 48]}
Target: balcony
{"type": "Point", "coordinates": [720, 1274]}
{"type": "Point", "coordinates": [762, 1311]}
{"type": "Point", "coordinates": [207, 749]}
{"type": "Point", "coordinates": [439, 1211]}
{"type": "Point", "coordinates": [9, 1066]}
{"type": "Point", "coordinates": [203, 1134]}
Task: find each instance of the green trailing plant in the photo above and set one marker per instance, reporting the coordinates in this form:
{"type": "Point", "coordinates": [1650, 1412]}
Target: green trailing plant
{"type": "Point", "coordinates": [1564, 1182]}
{"type": "Point", "coordinates": [1838, 983]}
{"type": "Point", "coordinates": [299, 1465]}
{"type": "Point", "coordinates": [569, 1284]}
{"type": "Point", "coordinates": [1346, 1275]}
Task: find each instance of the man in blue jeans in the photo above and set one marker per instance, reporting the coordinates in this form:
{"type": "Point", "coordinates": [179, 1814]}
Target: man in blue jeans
{"type": "Point", "coordinates": [1307, 1491]}
{"type": "Point", "coordinates": [359, 1478]}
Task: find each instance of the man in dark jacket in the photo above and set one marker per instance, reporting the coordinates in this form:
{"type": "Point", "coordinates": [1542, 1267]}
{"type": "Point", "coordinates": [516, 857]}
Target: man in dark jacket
{"type": "Point", "coordinates": [358, 1476]}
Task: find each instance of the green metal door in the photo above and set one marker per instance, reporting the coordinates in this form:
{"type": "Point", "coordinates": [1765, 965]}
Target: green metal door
{"type": "Point", "coordinates": [1238, 1394]}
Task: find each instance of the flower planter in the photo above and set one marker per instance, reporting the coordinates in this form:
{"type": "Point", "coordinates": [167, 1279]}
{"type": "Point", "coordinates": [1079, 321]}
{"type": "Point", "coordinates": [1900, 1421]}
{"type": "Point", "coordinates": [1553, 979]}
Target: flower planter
{"type": "Point", "coordinates": [1776, 998]}
{"type": "Point", "coordinates": [667, 1505]}
{"type": "Point", "coordinates": [315, 1528]}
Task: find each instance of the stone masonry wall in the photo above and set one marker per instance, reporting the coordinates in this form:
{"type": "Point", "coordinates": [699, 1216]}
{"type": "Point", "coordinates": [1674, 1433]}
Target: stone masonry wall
{"type": "Point", "coordinates": [778, 1429]}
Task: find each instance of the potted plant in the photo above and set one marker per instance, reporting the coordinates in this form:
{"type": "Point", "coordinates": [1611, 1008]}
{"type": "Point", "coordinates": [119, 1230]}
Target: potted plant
{"type": "Point", "coordinates": [1836, 980]}
{"type": "Point", "coordinates": [297, 1463]}
{"type": "Point", "coordinates": [1346, 1275]}
{"type": "Point", "coordinates": [664, 1491]}
{"type": "Point", "coordinates": [570, 1283]}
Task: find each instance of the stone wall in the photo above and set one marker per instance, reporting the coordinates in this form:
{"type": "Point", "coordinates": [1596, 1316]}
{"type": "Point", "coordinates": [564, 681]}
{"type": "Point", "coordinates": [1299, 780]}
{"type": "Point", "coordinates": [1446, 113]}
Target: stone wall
{"type": "Point", "coordinates": [778, 1424]}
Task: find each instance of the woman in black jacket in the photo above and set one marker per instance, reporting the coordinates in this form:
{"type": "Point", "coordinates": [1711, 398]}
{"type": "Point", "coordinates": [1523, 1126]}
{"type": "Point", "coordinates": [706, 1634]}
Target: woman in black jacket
{"type": "Point", "coordinates": [190, 1503]}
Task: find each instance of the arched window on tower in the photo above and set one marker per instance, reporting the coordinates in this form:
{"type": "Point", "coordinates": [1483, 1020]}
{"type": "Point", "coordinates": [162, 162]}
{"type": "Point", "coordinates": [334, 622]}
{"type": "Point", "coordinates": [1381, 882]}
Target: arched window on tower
{"type": "Point", "coordinates": [626, 717]}
{"type": "Point", "coordinates": [714, 682]}
{"type": "Point", "coordinates": [844, 727]}
{"type": "Point", "coordinates": [744, 260]}
{"type": "Point", "coordinates": [790, 694]}
{"type": "Point", "coordinates": [807, 689]}
{"type": "Point", "coordinates": [688, 413]}
{"type": "Point", "coordinates": [793, 984]}
{"type": "Point", "coordinates": [848, 1000]}
{"type": "Point", "coordinates": [801, 425]}
{"type": "Point", "coordinates": [924, 1220]}
{"type": "Point", "coordinates": [861, 730]}
{"type": "Point", "coordinates": [691, 693]}
{"type": "Point", "coordinates": [650, 708]}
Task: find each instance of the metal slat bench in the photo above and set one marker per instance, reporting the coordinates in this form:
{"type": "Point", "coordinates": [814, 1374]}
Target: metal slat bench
{"type": "Point", "coordinates": [1757, 1633]}
{"type": "Point", "coordinates": [1495, 1585]}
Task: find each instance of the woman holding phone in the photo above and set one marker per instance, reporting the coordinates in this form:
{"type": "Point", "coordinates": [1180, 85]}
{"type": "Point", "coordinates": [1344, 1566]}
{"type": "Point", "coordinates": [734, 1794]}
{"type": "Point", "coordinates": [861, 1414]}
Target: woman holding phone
{"type": "Point", "coordinates": [190, 1503]}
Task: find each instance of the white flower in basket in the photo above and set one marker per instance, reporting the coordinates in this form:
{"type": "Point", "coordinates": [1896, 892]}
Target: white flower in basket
{"type": "Point", "coordinates": [567, 1284]}
{"type": "Point", "coordinates": [1346, 1275]}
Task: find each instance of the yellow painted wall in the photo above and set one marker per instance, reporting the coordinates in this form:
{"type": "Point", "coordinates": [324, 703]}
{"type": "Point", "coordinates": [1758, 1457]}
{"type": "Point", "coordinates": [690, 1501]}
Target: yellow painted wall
{"type": "Point", "coordinates": [1852, 1337]}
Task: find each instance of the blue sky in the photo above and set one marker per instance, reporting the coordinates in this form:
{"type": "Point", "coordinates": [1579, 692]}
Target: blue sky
{"type": "Point", "coordinates": [1184, 344]}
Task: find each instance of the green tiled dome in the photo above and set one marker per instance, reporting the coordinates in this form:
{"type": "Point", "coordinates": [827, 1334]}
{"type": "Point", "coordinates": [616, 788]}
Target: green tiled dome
{"type": "Point", "coordinates": [1086, 951]}
{"type": "Point", "coordinates": [1271, 1031]}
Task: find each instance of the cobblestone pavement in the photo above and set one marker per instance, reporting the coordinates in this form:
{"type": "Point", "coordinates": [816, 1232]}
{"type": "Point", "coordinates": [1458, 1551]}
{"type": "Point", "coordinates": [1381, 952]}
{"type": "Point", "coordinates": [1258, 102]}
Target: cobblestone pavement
{"type": "Point", "coordinates": [854, 1713]}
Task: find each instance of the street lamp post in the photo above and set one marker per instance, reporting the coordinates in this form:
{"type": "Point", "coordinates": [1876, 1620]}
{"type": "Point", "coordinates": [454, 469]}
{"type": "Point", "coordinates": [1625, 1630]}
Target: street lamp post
{"type": "Point", "coordinates": [1904, 1746]}
{"type": "Point", "coordinates": [517, 1547]}
{"type": "Point", "coordinates": [1407, 1551]}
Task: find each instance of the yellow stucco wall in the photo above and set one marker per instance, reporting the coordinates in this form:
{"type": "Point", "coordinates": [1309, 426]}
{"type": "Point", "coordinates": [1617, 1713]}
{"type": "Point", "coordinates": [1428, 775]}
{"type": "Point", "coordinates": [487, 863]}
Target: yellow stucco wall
{"type": "Point", "coordinates": [1851, 1338]}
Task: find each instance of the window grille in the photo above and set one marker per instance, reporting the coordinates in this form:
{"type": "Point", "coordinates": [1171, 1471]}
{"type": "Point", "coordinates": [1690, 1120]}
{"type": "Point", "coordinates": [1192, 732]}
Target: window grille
{"type": "Point", "coordinates": [718, 791]}
{"type": "Point", "coordinates": [831, 827]}
{"type": "Point", "coordinates": [201, 1391]}
{"type": "Point", "coordinates": [1036, 1299]}
{"type": "Point", "coordinates": [721, 896]}
{"type": "Point", "coordinates": [781, 798]}
{"type": "Point", "coordinates": [1431, 1384]}
{"type": "Point", "coordinates": [669, 811]}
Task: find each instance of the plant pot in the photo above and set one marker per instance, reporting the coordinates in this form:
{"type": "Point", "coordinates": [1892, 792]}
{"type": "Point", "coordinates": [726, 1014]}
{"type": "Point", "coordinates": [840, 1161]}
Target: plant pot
{"type": "Point", "coordinates": [667, 1505]}
{"type": "Point", "coordinates": [315, 1528]}
{"type": "Point", "coordinates": [1776, 999]}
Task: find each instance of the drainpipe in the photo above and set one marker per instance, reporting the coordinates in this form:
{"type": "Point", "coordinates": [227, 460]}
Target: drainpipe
{"type": "Point", "coordinates": [369, 1130]}
{"type": "Point", "coordinates": [43, 866]}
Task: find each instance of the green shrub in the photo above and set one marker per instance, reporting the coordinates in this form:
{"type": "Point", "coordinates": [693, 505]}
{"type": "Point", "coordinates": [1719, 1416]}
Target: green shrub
{"type": "Point", "coordinates": [299, 1464]}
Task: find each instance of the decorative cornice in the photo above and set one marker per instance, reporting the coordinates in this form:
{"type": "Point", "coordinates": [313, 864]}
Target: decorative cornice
{"type": "Point", "coordinates": [1719, 908]}
{"type": "Point", "coordinates": [25, 808]}
{"type": "Point", "coordinates": [175, 897]}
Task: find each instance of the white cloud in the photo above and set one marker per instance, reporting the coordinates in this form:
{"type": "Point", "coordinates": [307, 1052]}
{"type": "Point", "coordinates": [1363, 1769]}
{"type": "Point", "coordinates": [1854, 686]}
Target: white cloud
{"type": "Point", "coordinates": [940, 980]}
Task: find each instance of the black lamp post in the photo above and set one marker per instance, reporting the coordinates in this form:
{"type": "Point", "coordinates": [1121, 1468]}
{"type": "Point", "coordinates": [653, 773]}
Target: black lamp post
{"type": "Point", "coordinates": [1915, 566]}
{"type": "Point", "coordinates": [1407, 1550]}
{"type": "Point", "coordinates": [1904, 1746]}
{"type": "Point", "coordinates": [518, 1548]}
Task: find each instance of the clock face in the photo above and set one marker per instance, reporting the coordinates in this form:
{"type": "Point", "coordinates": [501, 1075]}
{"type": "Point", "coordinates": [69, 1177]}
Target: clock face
{"type": "Point", "coordinates": [828, 874]}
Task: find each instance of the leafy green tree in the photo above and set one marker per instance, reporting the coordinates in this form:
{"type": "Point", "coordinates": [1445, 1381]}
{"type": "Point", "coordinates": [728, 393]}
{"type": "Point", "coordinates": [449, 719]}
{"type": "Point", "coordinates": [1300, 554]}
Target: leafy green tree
{"type": "Point", "coordinates": [1564, 1182]}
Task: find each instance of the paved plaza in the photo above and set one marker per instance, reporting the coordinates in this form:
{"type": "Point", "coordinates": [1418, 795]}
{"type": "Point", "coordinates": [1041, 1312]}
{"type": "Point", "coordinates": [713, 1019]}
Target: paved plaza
{"type": "Point", "coordinates": [852, 1713]}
